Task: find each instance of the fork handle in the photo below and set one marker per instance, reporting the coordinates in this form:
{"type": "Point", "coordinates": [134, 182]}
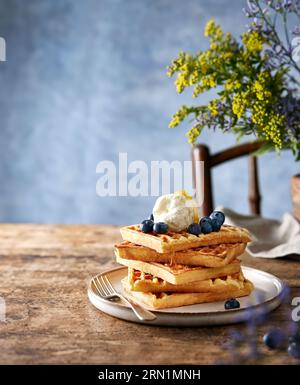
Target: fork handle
{"type": "Point", "coordinates": [142, 313]}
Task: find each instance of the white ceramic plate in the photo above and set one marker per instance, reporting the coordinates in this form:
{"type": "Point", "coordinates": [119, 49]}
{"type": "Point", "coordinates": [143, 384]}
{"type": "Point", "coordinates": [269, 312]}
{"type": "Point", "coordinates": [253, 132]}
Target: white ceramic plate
{"type": "Point", "coordinates": [265, 297]}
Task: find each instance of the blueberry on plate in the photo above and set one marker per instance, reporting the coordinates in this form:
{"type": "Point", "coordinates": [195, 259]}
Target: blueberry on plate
{"type": "Point", "coordinates": [194, 228]}
{"type": "Point", "coordinates": [215, 224]}
{"type": "Point", "coordinates": [232, 303]}
{"type": "Point", "coordinates": [151, 217]}
{"type": "Point", "coordinates": [146, 226]}
{"type": "Point", "coordinates": [160, 228]}
{"type": "Point", "coordinates": [206, 225]}
{"type": "Point", "coordinates": [275, 338]}
{"type": "Point", "coordinates": [294, 350]}
{"type": "Point", "coordinates": [219, 216]}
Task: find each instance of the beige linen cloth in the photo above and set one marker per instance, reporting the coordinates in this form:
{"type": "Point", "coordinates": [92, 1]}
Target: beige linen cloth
{"type": "Point", "coordinates": [270, 238]}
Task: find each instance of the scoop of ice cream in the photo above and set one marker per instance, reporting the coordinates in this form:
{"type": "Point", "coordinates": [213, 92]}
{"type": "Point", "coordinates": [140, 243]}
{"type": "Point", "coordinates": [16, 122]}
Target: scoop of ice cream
{"type": "Point", "coordinates": [177, 210]}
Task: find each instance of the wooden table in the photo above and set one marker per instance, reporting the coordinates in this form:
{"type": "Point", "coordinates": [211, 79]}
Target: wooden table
{"type": "Point", "coordinates": [45, 270]}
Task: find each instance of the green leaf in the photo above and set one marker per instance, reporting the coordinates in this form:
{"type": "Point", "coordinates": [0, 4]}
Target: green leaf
{"type": "Point", "coordinates": [264, 149]}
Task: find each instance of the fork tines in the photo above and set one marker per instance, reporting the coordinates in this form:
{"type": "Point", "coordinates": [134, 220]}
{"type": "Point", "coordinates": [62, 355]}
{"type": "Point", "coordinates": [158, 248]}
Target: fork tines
{"type": "Point", "coordinates": [103, 286]}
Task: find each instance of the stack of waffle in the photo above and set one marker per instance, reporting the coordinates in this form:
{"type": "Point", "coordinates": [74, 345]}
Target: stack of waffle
{"type": "Point", "coordinates": [177, 269]}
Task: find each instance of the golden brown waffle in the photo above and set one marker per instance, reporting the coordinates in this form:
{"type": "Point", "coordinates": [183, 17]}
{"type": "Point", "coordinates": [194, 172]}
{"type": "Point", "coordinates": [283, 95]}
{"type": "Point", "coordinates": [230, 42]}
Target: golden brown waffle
{"type": "Point", "coordinates": [170, 242]}
{"type": "Point", "coordinates": [167, 300]}
{"type": "Point", "coordinates": [209, 256]}
{"type": "Point", "coordinates": [181, 274]}
{"type": "Point", "coordinates": [147, 283]}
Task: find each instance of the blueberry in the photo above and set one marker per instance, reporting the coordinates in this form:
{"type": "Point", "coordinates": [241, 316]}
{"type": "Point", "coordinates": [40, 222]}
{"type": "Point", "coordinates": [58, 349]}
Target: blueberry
{"type": "Point", "coordinates": [146, 226]}
{"type": "Point", "coordinates": [275, 338]}
{"type": "Point", "coordinates": [215, 224]}
{"type": "Point", "coordinates": [295, 338]}
{"type": "Point", "coordinates": [232, 304]}
{"type": "Point", "coordinates": [219, 216]}
{"type": "Point", "coordinates": [151, 217]}
{"type": "Point", "coordinates": [194, 228]}
{"type": "Point", "coordinates": [160, 228]}
{"type": "Point", "coordinates": [206, 225]}
{"type": "Point", "coordinates": [294, 350]}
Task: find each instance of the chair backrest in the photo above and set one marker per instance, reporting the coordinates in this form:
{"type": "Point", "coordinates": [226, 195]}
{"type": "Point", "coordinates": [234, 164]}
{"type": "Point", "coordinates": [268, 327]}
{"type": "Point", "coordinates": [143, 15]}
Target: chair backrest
{"type": "Point", "coordinates": [201, 153]}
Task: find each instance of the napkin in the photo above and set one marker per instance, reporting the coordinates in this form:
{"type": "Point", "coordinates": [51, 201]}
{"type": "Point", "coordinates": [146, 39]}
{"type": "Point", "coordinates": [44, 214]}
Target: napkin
{"type": "Point", "coordinates": [270, 238]}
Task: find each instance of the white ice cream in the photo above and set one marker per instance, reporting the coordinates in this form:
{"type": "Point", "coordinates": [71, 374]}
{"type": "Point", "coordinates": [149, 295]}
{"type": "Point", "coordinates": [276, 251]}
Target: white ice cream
{"type": "Point", "coordinates": [176, 210]}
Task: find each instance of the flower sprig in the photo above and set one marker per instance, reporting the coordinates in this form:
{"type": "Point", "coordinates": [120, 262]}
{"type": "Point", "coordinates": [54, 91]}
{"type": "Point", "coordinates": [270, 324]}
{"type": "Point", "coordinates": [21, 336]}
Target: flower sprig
{"type": "Point", "coordinates": [252, 93]}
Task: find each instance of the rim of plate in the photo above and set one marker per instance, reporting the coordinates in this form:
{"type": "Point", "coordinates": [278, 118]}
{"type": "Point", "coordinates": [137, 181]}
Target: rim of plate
{"type": "Point", "coordinates": [276, 299]}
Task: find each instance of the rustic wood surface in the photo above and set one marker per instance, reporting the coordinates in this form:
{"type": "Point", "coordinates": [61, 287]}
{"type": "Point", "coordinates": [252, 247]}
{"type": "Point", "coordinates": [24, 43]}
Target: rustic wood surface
{"type": "Point", "coordinates": [45, 270]}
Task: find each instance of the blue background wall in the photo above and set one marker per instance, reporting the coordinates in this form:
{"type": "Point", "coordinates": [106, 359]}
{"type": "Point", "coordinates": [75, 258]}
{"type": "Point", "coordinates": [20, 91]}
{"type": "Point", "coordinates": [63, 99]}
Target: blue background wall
{"type": "Point", "coordinates": [85, 80]}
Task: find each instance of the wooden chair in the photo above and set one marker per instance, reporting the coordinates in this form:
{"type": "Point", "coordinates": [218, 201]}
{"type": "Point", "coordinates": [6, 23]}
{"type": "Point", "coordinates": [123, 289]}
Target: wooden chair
{"type": "Point", "coordinates": [202, 153]}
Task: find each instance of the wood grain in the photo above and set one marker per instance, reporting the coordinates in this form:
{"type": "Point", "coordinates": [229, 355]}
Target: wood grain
{"type": "Point", "coordinates": [44, 274]}
{"type": "Point", "coordinates": [295, 190]}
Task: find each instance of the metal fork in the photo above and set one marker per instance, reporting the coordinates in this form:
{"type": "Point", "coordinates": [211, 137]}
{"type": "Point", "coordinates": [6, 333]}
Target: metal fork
{"type": "Point", "coordinates": [107, 291]}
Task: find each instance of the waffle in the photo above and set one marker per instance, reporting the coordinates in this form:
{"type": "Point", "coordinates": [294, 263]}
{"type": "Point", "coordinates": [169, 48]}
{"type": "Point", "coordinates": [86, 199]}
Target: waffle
{"type": "Point", "coordinates": [147, 283]}
{"type": "Point", "coordinates": [170, 242]}
{"type": "Point", "coordinates": [209, 256]}
{"type": "Point", "coordinates": [181, 274]}
{"type": "Point", "coordinates": [166, 299]}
